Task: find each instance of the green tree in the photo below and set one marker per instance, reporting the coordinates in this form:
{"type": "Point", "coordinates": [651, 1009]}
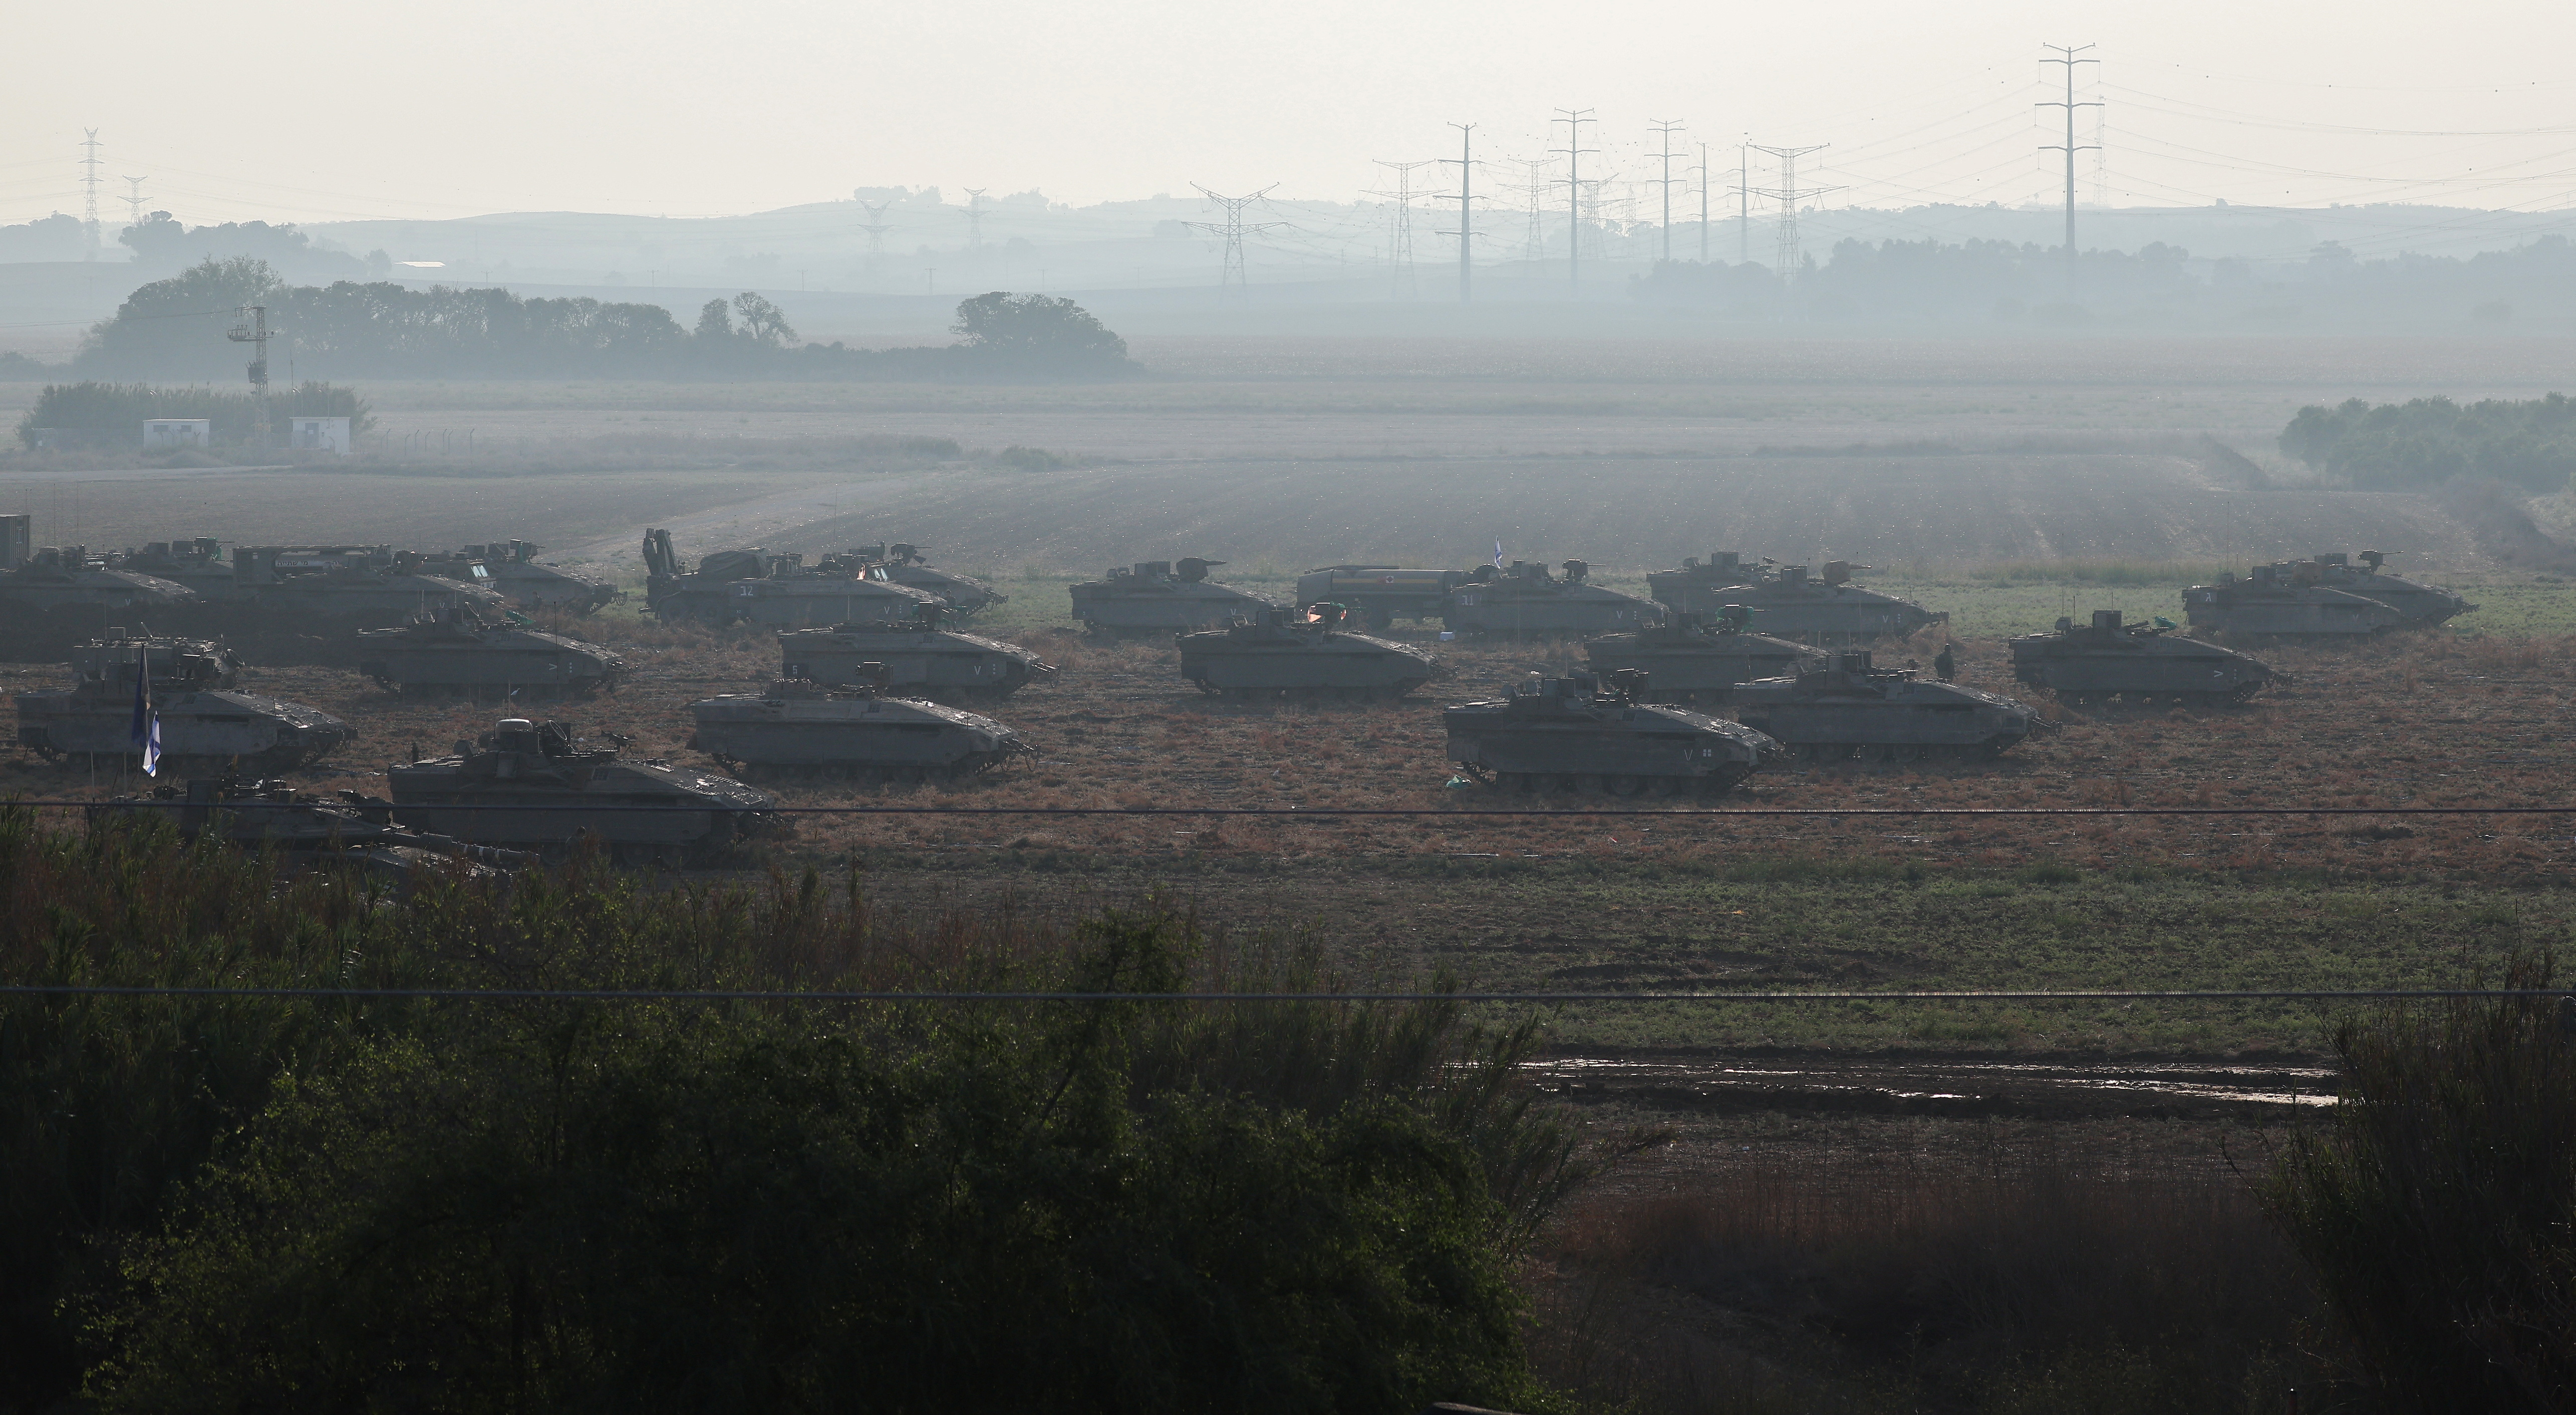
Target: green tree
{"type": "Point", "coordinates": [763, 322]}
{"type": "Point", "coordinates": [1036, 330]}
{"type": "Point", "coordinates": [715, 322]}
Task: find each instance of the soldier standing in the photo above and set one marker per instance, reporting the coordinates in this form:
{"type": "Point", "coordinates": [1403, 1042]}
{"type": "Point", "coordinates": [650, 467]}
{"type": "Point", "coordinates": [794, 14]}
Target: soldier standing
{"type": "Point", "coordinates": [1946, 664]}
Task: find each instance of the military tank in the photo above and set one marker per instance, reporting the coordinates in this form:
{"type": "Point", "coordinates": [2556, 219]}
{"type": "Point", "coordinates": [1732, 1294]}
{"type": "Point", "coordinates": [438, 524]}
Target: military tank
{"type": "Point", "coordinates": [1587, 730]}
{"type": "Point", "coordinates": [1787, 601]}
{"type": "Point", "coordinates": [803, 728]}
{"type": "Point", "coordinates": [1691, 659]}
{"type": "Point", "coordinates": [512, 567]}
{"type": "Point", "coordinates": [1380, 594]}
{"type": "Point", "coordinates": [1850, 708]}
{"type": "Point", "coordinates": [1276, 654]}
{"type": "Point", "coordinates": [61, 596]}
{"type": "Point", "coordinates": [2294, 604]}
{"type": "Point", "coordinates": [1525, 601]}
{"type": "Point", "coordinates": [920, 658]}
{"type": "Point", "coordinates": [341, 827]}
{"type": "Point", "coordinates": [1162, 595]}
{"type": "Point", "coordinates": [540, 788]}
{"type": "Point", "coordinates": [207, 725]}
{"type": "Point", "coordinates": [2419, 604]}
{"type": "Point", "coordinates": [458, 653]}
{"type": "Point", "coordinates": [774, 591]}
{"type": "Point", "coordinates": [906, 564]}
{"type": "Point", "coordinates": [2136, 663]}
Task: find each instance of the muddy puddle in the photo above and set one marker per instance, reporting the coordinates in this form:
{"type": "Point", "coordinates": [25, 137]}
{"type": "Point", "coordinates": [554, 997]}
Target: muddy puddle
{"type": "Point", "coordinates": [1713, 1083]}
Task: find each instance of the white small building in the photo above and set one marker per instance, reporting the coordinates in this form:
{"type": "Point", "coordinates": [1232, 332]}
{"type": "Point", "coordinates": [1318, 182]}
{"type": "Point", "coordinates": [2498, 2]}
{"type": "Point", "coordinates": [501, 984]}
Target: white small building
{"type": "Point", "coordinates": [178, 432]}
{"type": "Point", "coordinates": [318, 434]}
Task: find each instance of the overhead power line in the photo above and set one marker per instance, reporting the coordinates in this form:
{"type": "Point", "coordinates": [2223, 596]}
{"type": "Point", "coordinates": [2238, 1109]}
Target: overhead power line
{"type": "Point", "coordinates": [1461, 813]}
{"type": "Point", "coordinates": [2561, 995]}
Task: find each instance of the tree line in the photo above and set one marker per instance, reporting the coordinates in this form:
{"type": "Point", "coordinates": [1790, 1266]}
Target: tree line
{"type": "Point", "coordinates": [172, 328]}
{"type": "Point", "coordinates": [2529, 443]}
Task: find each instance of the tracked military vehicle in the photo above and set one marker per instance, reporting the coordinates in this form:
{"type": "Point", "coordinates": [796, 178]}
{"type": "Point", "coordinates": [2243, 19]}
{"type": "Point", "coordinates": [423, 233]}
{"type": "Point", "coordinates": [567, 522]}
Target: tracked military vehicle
{"type": "Point", "coordinates": [539, 788]}
{"type": "Point", "coordinates": [457, 653]}
{"type": "Point", "coordinates": [1692, 660]}
{"type": "Point", "coordinates": [1524, 601]}
{"type": "Point", "coordinates": [61, 596]}
{"type": "Point", "coordinates": [921, 659]}
{"type": "Point", "coordinates": [340, 828]}
{"type": "Point", "coordinates": [198, 564]}
{"type": "Point", "coordinates": [2418, 604]}
{"type": "Point", "coordinates": [1162, 596]}
{"type": "Point", "coordinates": [1278, 654]}
{"type": "Point", "coordinates": [1850, 708]}
{"type": "Point", "coordinates": [906, 565]}
{"type": "Point", "coordinates": [2293, 604]}
{"type": "Point", "coordinates": [2135, 663]}
{"type": "Point", "coordinates": [803, 729]}
{"type": "Point", "coordinates": [207, 725]}
{"type": "Point", "coordinates": [354, 585]}
{"type": "Point", "coordinates": [1785, 600]}
{"type": "Point", "coordinates": [774, 591]}
{"type": "Point", "coordinates": [512, 567]}
{"type": "Point", "coordinates": [1587, 731]}
{"type": "Point", "coordinates": [1380, 594]}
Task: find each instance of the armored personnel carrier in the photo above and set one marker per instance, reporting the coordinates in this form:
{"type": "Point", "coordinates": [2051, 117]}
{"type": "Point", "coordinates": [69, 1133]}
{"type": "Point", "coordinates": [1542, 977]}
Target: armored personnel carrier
{"type": "Point", "coordinates": [1583, 730]}
{"type": "Point", "coordinates": [1380, 594]}
{"type": "Point", "coordinates": [206, 724]}
{"type": "Point", "coordinates": [1275, 654]}
{"type": "Point", "coordinates": [2136, 663]}
{"type": "Point", "coordinates": [803, 728]}
{"type": "Point", "coordinates": [906, 565]}
{"type": "Point", "coordinates": [1524, 601]}
{"type": "Point", "coordinates": [2270, 602]}
{"type": "Point", "coordinates": [512, 567]}
{"type": "Point", "coordinates": [920, 659]}
{"type": "Point", "coordinates": [1691, 660]}
{"type": "Point", "coordinates": [1787, 601]}
{"type": "Point", "coordinates": [2419, 604]}
{"type": "Point", "coordinates": [1162, 596]}
{"type": "Point", "coordinates": [457, 653]}
{"type": "Point", "coordinates": [539, 788]}
{"type": "Point", "coordinates": [369, 586]}
{"type": "Point", "coordinates": [1849, 708]}
{"type": "Point", "coordinates": [339, 828]}
{"type": "Point", "coordinates": [60, 597]}
{"type": "Point", "coordinates": [198, 564]}
{"type": "Point", "coordinates": [776, 591]}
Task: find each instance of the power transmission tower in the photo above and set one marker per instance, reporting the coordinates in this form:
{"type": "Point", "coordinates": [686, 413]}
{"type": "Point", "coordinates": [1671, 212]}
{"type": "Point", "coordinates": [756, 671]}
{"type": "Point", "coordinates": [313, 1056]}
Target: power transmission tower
{"type": "Point", "coordinates": [1400, 226]}
{"type": "Point", "coordinates": [1787, 193]}
{"type": "Point", "coordinates": [975, 217]}
{"type": "Point", "coordinates": [1232, 230]}
{"type": "Point", "coordinates": [876, 225]}
{"type": "Point", "coordinates": [1744, 201]}
{"type": "Point", "coordinates": [1466, 161]}
{"type": "Point", "coordinates": [2066, 56]}
{"type": "Point", "coordinates": [1534, 239]}
{"type": "Point", "coordinates": [1573, 119]}
{"type": "Point", "coordinates": [89, 181]}
{"type": "Point", "coordinates": [1703, 203]}
{"type": "Point", "coordinates": [134, 201]}
{"type": "Point", "coordinates": [1667, 127]}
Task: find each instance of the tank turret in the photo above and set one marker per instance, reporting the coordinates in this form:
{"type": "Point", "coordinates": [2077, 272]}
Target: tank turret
{"type": "Point", "coordinates": [1587, 730]}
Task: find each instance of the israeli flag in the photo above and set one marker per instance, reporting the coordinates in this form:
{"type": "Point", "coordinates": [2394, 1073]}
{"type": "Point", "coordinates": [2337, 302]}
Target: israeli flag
{"type": "Point", "coordinates": [145, 730]}
{"type": "Point", "coordinates": [1498, 555]}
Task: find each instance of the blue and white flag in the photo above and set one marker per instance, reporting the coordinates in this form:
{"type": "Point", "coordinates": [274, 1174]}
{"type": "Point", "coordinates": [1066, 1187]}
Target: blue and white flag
{"type": "Point", "coordinates": [1498, 555]}
{"type": "Point", "coordinates": [145, 729]}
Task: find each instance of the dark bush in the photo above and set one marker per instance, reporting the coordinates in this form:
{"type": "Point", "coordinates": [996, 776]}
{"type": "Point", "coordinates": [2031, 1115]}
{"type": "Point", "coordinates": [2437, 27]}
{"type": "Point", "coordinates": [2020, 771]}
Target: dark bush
{"type": "Point", "coordinates": [2530, 444]}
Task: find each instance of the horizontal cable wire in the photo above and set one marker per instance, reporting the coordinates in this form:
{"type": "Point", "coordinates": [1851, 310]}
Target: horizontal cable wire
{"type": "Point", "coordinates": [1309, 812]}
{"type": "Point", "coordinates": [726, 995]}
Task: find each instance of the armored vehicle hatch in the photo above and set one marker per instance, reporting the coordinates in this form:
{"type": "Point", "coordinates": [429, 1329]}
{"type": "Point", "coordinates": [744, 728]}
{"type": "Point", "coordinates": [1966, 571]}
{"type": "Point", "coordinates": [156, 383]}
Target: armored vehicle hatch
{"type": "Point", "coordinates": [1304, 656]}
{"type": "Point", "coordinates": [2135, 663]}
{"type": "Point", "coordinates": [1585, 731]}
{"type": "Point", "coordinates": [921, 659]}
{"type": "Point", "coordinates": [206, 724]}
{"type": "Point", "coordinates": [1849, 708]}
{"type": "Point", "coordinates": [1524, 601]}
{"type": "Point", "coordinates": [537, 787]}
{"type": "Point", "coordinates": [458, 653]}
{"type": "Point", "coordinates": [1692, 660]}
{"type": "Point", "coordinates": [1162, 596]}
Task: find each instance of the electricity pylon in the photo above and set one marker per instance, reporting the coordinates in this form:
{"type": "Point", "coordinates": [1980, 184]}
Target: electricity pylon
{"type": "Point", "coordinates": [1232, 230]}
{"type": "Point", "coordinates": [2066, 56]}
{"type": "Point", "coordinates": [1787, 193]}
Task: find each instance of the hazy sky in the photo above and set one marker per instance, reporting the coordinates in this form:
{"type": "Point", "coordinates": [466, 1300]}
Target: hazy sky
{"type": "Point", "coordinates": [309, 111]}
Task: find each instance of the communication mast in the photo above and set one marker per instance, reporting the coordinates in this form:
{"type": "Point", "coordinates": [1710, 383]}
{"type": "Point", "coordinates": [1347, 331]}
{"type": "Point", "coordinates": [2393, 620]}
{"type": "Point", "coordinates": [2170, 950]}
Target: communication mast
{"type": "Point", "coordinates": [254, 332]}
{"type": "Point", "coordinates": [89, 182]}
